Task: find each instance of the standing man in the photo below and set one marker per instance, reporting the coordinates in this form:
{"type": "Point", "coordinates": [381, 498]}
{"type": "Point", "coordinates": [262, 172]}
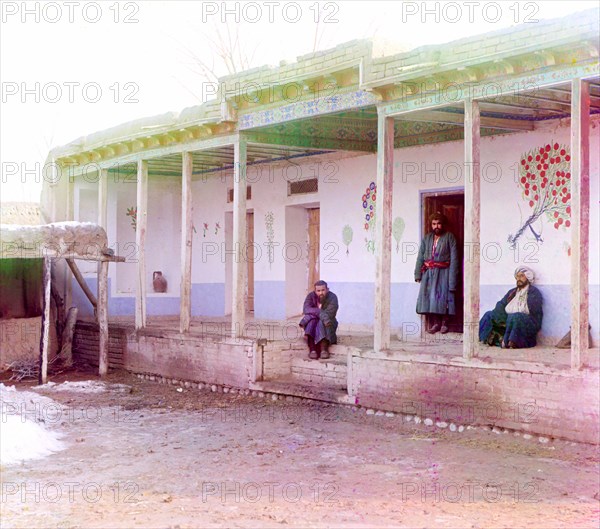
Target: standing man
{"type": "Point", "coordinates": [517, 317]}
{"type": "Point", "coordinates": [437, 271]}
{"type": "Point", "coordinates": [319, 323]}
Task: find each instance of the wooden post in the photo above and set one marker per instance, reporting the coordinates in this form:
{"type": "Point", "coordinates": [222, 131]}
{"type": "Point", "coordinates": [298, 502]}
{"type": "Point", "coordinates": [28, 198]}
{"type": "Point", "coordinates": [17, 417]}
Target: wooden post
{"type": "Point", "coordinates": [140, 242]}
{"type": "Point", "coordinates": [102, 197]}
{"type": "Point", "coordinates": [102, 215]}
{"type": "Point", "coordinates": [66, 348]}
{"type": "Point", "coordinates": [70, 205]}
{"type": "Point", "coordinates": [186, 243]}
{"type": "Point", "coordinates": [103, 318]}
{"type": "Point", "coordinates": [580, 218]}
{"type": "Point", "coordinates": [86, 290]}
{"type": "Point", "coordinates": [472, 225]}
{"type": "Point", "coordinates": [383, 231]}
{"type": "Point", "coordinates": [66, 172]}
{"type": "Point", "coordinates": [238, 305]}
{"type": "Point", "coordinates": [45, 337]}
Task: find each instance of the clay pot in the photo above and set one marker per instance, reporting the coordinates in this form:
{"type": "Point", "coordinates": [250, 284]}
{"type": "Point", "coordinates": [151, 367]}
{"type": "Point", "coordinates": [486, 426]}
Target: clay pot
{"type": "Point", "coordinates": [159, 282]}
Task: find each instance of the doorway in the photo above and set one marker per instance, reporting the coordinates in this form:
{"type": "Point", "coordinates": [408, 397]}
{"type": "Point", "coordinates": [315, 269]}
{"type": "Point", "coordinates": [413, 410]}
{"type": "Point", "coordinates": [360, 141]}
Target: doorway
{"type": "Point", "coordinates": [301, 253]}
{"type": "Point", "coordinates": [314, 243]}
{"type": "Point", "coordinates": [452, 205]}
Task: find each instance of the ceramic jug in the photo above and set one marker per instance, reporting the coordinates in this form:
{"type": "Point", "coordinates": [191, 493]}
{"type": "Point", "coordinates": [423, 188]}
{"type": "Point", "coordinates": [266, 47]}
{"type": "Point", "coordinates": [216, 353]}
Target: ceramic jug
{"type": "Point", "coordinates": [159, 282]}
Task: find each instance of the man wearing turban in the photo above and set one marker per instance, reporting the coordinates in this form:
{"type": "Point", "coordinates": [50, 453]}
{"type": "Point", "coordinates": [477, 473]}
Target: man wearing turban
{"type": "Point", "coordinates": [517, 318]}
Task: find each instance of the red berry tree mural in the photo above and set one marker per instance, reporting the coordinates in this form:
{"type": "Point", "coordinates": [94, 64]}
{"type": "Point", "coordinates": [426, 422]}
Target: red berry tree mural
{"type": "Point", "coordinates": [545, 179]}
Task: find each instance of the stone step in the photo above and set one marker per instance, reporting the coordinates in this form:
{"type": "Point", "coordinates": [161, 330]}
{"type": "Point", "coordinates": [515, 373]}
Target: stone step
{"type": "Point", "coordinates": [331, 372]}
{"type": "Point", "coordinates": [292, 387]}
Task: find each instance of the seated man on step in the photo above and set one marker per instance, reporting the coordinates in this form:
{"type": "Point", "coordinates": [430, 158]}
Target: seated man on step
{"type": "Point", "coordinates": [319, 323]}
{"type": "Point", "coordinates": [517, 318]}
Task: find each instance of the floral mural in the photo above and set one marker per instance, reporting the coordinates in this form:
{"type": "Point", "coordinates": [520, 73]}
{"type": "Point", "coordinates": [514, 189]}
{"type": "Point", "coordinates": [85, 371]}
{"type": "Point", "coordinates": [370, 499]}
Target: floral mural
{"type": "Point", "coordinates": [132, 212]}
{"type": "Point", "coordinates": [545, 181]}
{"type": "Point", "coordinates": [269, 220]}
{"type": "Point", "coordinates": [347, 235]}
{"type": "Point", "coordinates": [368, 203]}
{"type": "Point", "coordinates": [397, 231]}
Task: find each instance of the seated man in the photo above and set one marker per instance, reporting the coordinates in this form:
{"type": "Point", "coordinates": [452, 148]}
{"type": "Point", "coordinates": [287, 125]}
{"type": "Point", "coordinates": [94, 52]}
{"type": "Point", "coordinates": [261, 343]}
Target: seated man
{"type": "Point", "coordinates": [517, 318]}
{"type": "Point", "coordinates": [319, 323]}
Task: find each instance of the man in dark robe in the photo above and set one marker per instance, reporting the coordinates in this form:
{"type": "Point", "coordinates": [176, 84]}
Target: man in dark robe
{"type": "Point", "coordinates": [437, 271]}
{"type": "Point", "coordinates": [517, 318]}
{"type": "Point", "coordinates": [319, 323]}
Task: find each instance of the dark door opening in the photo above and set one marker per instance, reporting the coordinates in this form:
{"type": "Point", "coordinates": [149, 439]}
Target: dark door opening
{"type": "Point", "coordinates": [314, 223]}
{"type": "Point", "coordinates": [452, 205]}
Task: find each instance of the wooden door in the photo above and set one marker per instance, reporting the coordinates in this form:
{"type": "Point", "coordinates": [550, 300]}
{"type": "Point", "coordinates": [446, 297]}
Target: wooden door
{"type": "Point", "coordinates": [452, 205]}
{"type": "Point", "coordinates": [314, 218]}
{"type": "Point", "coordinates": [250, 261]}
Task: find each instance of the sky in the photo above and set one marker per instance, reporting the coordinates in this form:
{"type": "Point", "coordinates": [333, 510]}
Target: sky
{"type": "Point", "coordinates": [70, 68]}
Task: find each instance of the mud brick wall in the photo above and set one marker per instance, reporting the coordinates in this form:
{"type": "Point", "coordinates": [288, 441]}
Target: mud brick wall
{"type": "Point", "coordinates": [554, 404]}
{"type": "Point", "coordinates": [327, 374]}
{"type": "Point", "coordinates": [277, 358]}
{"type": "Point", "coordinates": [189, 357]}
{"type": "Point", "coordinates": [86, 345]}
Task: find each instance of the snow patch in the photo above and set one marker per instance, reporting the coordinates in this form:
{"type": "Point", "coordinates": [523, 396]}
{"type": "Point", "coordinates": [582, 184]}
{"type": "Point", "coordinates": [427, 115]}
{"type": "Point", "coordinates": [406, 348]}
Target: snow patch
{"type": "Point", "coordinates": [84, 386]}
{"type": "Point", "coordinates": [22, 437]}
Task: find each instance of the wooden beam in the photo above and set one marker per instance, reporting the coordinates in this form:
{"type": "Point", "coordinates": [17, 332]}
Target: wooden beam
{"type": "Point", "coordinates": [238, 304]}
{"type": "Point", "coordinates": [45, 337]}
{"type": "Point", "coordinates": [86, 290]}
{"type": "Point", "coordinates": [103, 318]}
{"type": "Point", "coordinates": [580, 219]}
{"type": "Point", "coordinates": [383, 232]}
{"type": "Point", "coordinates": [452, 118]}
{"type": "Point", "coordinates": [186, 243]}
{"type": "Point", "coordinates": [472, 225]}
{"type": "Point", "coordinates": [308, 142]}
{"type": "Point", "coordinates": [140, 242]}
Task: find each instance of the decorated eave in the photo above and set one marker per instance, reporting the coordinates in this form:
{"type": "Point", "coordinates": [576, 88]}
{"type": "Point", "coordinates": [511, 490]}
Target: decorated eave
{"type": "Point", "coordinates": [329, 100]}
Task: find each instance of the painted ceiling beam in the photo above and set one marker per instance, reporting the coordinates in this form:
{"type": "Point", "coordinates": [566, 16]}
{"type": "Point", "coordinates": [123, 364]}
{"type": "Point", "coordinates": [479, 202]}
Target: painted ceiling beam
{"type": "Point", "coordinates": [458, 119]}
{"type": "Point", "coordinates": [260, 138]}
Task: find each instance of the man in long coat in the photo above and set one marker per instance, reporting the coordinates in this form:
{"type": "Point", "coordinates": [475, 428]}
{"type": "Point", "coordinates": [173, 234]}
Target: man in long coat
{"type": "Point", "coordinates": [319, 323]}
{"type": "Point", "coordinates": [517, 317]}
{"type": "Point", "coordinates": [437, 271]}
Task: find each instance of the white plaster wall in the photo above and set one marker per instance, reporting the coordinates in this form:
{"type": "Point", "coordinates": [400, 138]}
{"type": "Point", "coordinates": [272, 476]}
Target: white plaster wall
{"type": "Point", "coordinates": [208, 247]}
{"type": "Point", "coordinates": [122, 192]}
{"type": "Point", "coordinates": [85, 209]}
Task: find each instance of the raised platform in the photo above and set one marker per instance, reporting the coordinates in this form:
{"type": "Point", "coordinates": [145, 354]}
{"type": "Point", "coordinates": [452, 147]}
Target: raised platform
{"type": "Point", "coordinates": [530, 389]}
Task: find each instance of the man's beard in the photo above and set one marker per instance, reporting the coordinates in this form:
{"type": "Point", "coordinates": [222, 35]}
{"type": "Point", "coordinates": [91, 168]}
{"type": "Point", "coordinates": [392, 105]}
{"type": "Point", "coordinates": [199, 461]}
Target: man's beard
{"type": "Point", "coordinates": [521, 284]}
{"type": "Point", "coordinates": [321, 296]}
{"type": "Point", "coordinates": [438, 231]}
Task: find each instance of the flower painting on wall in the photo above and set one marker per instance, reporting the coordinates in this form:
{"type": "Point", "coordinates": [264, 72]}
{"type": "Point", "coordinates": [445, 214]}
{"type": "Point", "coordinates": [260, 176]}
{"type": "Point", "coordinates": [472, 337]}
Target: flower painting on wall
{"type": "Point", "coordinates": [545, 181]}
{"type": "Point", "coordinates": [369, 208]}
{"type": "Point", "coordinates": [132, 212]}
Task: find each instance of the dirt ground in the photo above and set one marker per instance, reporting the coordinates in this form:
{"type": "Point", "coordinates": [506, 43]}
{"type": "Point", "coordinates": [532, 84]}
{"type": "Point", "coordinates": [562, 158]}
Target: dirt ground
{"type": "Point", "coordinates": [147, 455]}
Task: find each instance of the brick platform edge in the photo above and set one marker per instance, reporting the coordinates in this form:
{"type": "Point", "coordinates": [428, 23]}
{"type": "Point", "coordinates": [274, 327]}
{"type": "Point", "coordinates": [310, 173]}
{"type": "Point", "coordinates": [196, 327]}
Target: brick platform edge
{"type": "Point", "coordinates": [557, 403]}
